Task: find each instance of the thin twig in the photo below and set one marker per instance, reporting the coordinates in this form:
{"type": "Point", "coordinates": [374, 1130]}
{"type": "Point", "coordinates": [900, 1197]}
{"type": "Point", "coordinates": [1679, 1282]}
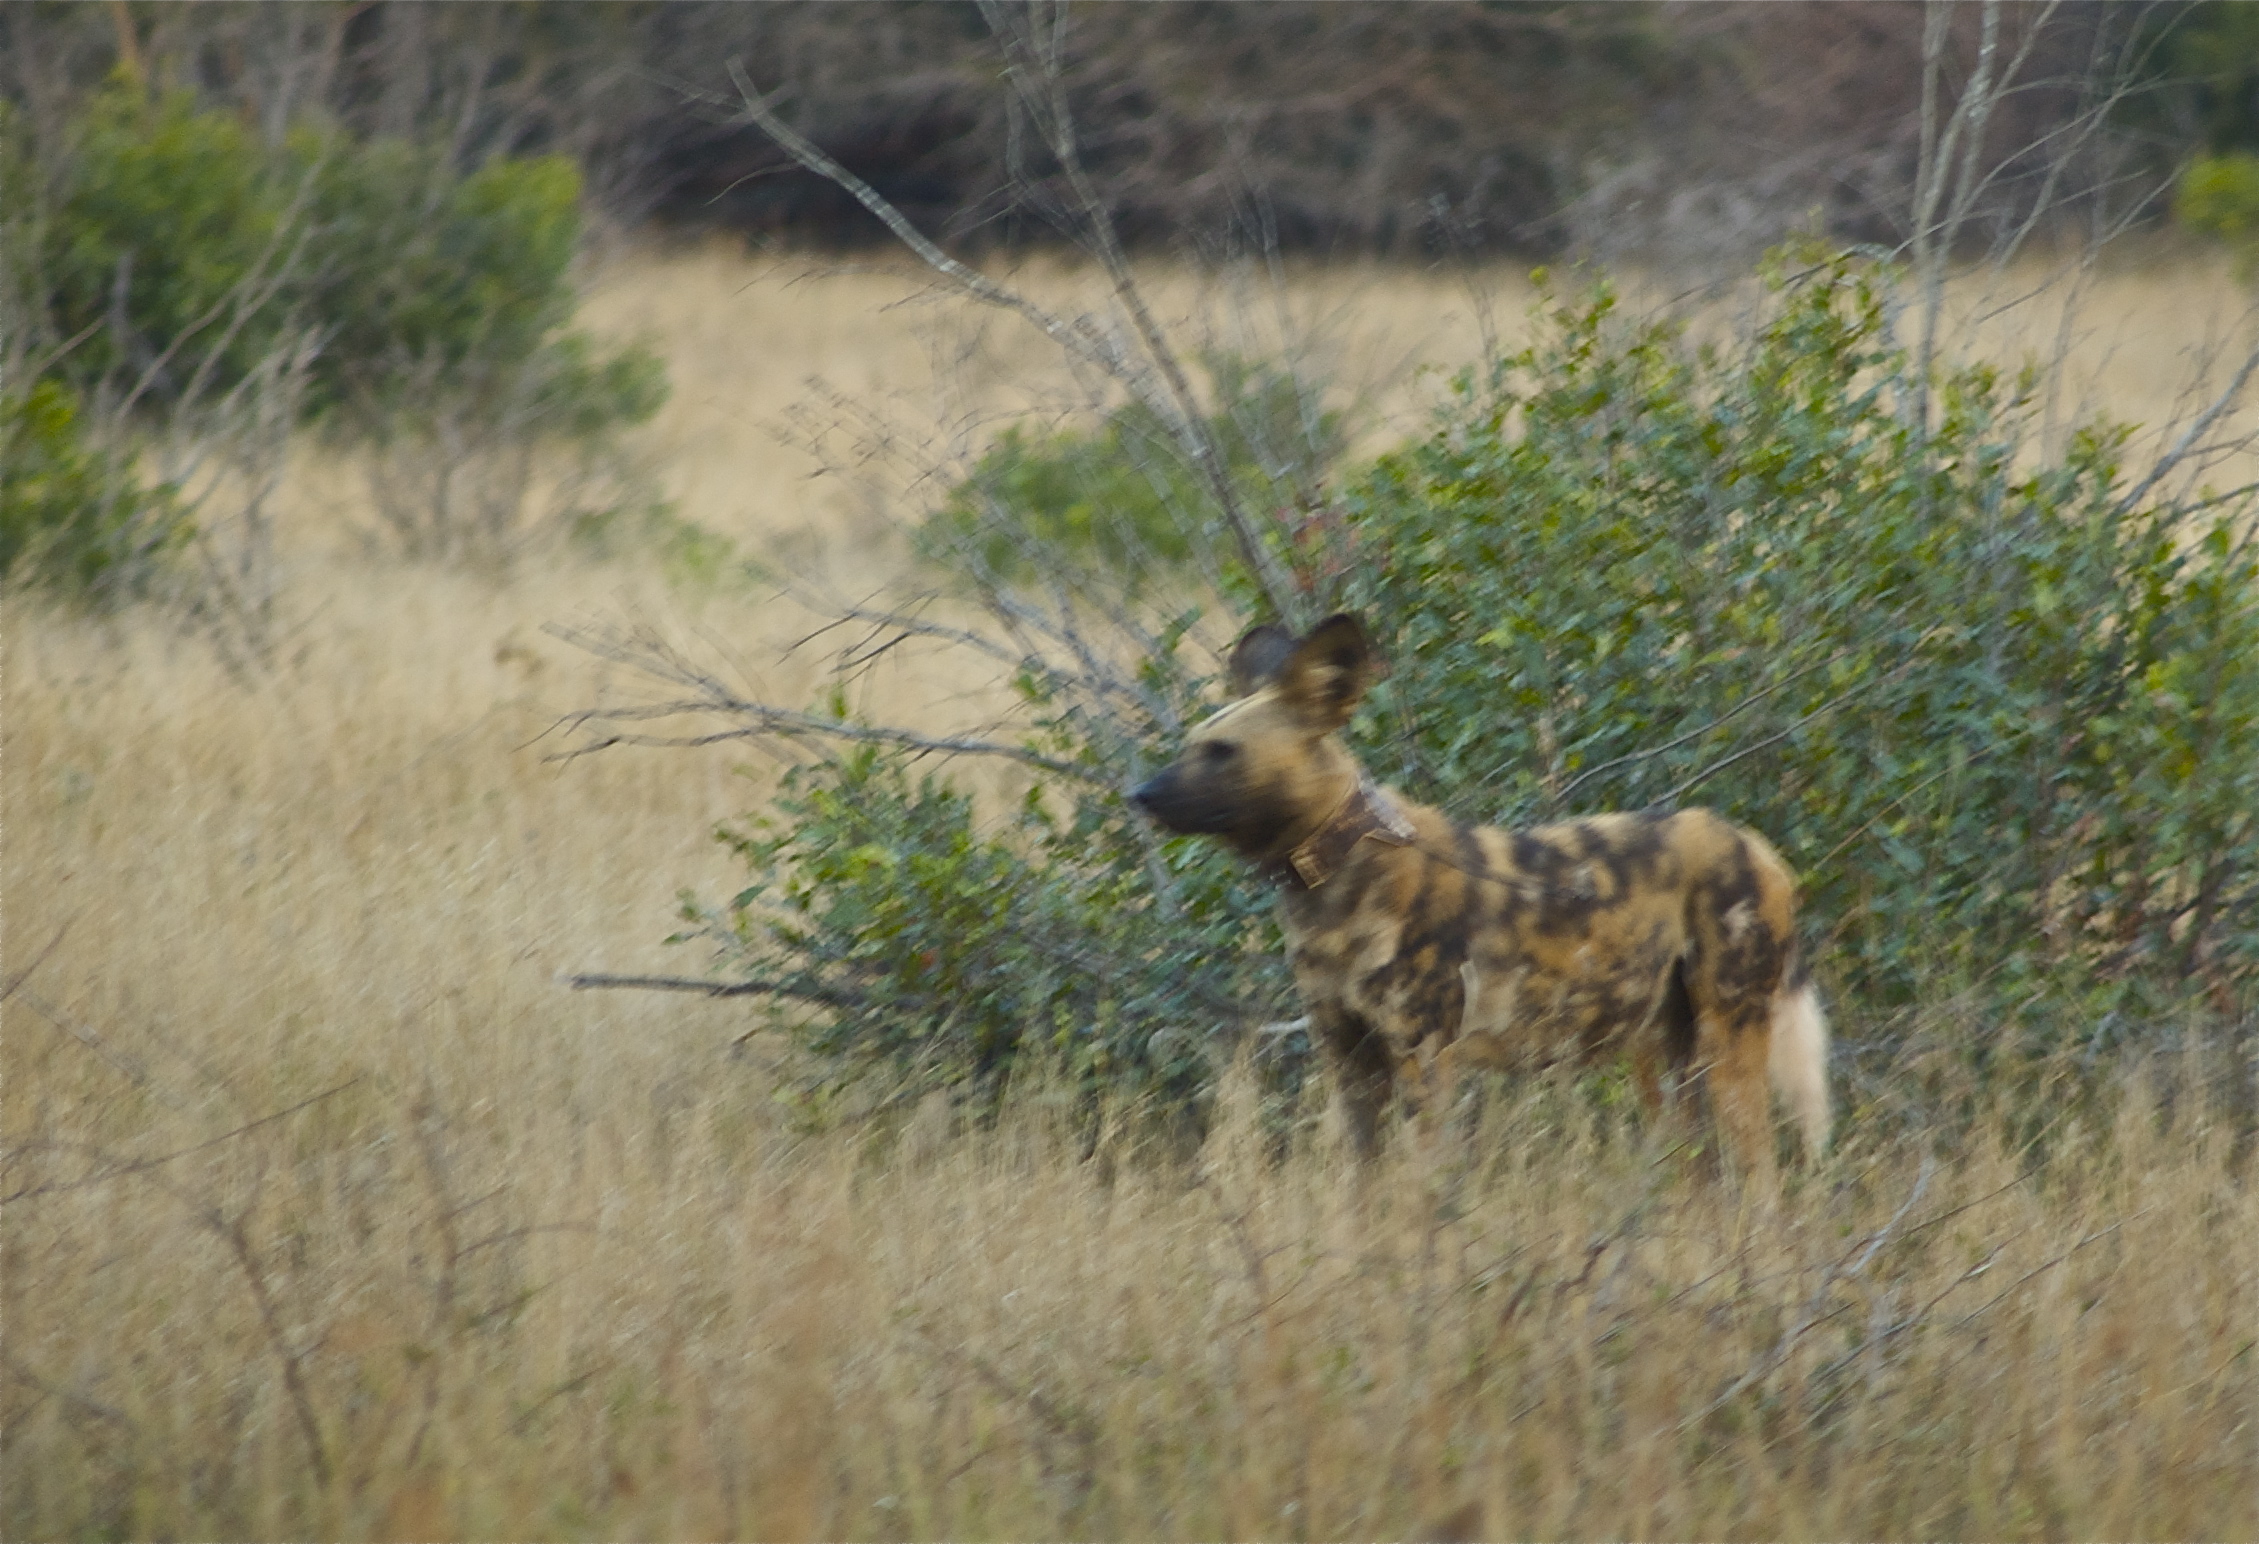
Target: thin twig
{"type": "Point", "coordinates": [2189, 436]}
{"type": "Point", "coordinates": [238, 1240]}
{"type": "Point", "coordinates": [1077, 337]}
{"type": "Point", "coordinates": [85, 1035]}
{"type": "Point", "coordinates": [789, 724]}
{"type": "Point", "coordinates": [1869, 824]}
{"type": "Point", "coordinates": [1186, 422]}
{"type": "Point", "coordinates": [822, 995]}
{"type": "Point", "coordinates": [2024, 1280]}
{"type": "Point", "coordinates": [756, 720]}
{"type": "Point", "coordinates": [8, 990]}
{"type": "Point", "coordinates": [1691, 735]}
{"type": "Point", "coordinates": [72, 1397]}
{"type": "Point", "coordinates": [1771, 740]}
{"type": "Point", "coordinates": [1080, 337]}
{"type": "Point", "coordinates": [1814, 1316]}
{"type": "Point", "coordinates": [118, 1168]}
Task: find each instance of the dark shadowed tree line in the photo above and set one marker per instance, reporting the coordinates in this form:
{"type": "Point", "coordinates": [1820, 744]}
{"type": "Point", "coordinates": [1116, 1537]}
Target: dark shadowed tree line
{"type": "Point", "coordinates": [1687, 131]}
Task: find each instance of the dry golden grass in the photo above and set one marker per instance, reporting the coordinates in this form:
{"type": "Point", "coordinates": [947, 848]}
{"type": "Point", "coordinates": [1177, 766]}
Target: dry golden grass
{"type": "Point", "coordinates": [520, 1262]}
{"type": "Point", "coordinates": [754, 345]}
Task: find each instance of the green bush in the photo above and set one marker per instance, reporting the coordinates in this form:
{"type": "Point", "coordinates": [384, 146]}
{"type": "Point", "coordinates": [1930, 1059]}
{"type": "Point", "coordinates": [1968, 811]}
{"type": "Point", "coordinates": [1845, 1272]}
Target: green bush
{"type": "Point", "coordinates": [191, 281]}
{"type": "Point", "coordinates": [2005, 721]}
{"type": "Point", "coordinates": [688, 554]}
{"type": "Point", "coordinates": [2219, 195]}
{"type": "Point", "coordinates": [897, 936]}
{"type": "Point", "coordinates": [425, 263]}
{"type": "Point", "coordinates": [167, 220]}
{"type": "Point", "coordinates": [2001, 714]}
{"type": "Point", "coordinates": [2196, 75]}
{"type": "Point", "coordinates": [423, 274]}
{"type": "Point", "coordinates": [72, 516]}
{"type": "Point", "coordinates": [1121, 500]}
{"type": "Point", "coordinates": [182, 243]}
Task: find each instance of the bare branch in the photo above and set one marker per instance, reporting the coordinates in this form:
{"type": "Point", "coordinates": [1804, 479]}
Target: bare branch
{"type": "Point", "coordinates": [2192, 435]}
{"type": "Point", "coordinates": [84, 1034]}
{"type": "Point", "coordinates": [787, 724]}
{"type": "Point", "coordinates": [1816, 1311]}
{"type": "Point", "coordinates": [755, 720]}
{"type": "Point", "coordinates": [827, 998]}
{"type": "Point", "coordinates": [1771, 740]}
{"type": "Point", "coordinates": [8, 990]}
{"type": "Point", "coordinates": [1932, 238]}
{"type": "Point", "coordinates": [1030, 72]}
{"type": "Point", "coordinates": [1079, 337]}
{"type": "Point", "coordinates": [1691, 735]}
{"type": "Point", "coordinates": [238, 1240]}
{"type": "Point", "coordinates": [117, 1167]}
{"type": "Point", "coordinates": [1174, 401]}
{"type": "Point", "coordinates": [75, 1400]}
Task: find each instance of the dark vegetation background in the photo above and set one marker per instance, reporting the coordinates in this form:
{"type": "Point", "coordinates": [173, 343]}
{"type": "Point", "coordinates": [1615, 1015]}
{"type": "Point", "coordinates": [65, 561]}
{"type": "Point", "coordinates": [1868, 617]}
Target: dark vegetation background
{"type": "Point", "coordinates": [1681, 129]}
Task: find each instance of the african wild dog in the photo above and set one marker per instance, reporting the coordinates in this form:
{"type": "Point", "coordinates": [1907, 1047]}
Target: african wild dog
{"type": "Point", "coordinates": [1422, 947]}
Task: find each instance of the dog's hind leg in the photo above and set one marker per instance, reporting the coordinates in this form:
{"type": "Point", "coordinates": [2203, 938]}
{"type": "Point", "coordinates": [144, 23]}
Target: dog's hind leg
{"type": "Point", "coordinates": [1733, 1057]}
{"type": "Point", "coordinates": [1663, 1047]}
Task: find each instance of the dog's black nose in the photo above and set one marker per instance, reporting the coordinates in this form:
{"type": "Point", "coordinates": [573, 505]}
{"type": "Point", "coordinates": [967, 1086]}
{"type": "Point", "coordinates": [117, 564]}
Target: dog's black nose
{"type": "Point", "coordinates": [1145, 793]}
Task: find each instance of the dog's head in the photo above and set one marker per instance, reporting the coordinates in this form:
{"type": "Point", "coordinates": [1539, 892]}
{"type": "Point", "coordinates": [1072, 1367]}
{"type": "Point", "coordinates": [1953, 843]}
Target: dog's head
{"type": "Point", "coordinates": [1262, 772]}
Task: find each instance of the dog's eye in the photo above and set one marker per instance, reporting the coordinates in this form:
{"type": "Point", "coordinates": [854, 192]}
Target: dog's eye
{"type": "Point", "coordinates": [1218, 752]}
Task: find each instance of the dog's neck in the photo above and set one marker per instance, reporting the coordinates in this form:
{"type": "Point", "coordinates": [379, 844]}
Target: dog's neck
{"type": "Point", "coordinates": [1364, 810]}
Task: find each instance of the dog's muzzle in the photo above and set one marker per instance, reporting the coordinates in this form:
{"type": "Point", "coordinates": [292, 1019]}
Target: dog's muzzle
{"type": "Point", "coordinates": [1163, 800]}
{"type": "Point", "coordinates": [1152, 796]}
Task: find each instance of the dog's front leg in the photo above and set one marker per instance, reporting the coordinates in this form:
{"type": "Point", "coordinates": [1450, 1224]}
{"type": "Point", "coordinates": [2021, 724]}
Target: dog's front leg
{"type": "Point", "coordinates": [1363, 1070]}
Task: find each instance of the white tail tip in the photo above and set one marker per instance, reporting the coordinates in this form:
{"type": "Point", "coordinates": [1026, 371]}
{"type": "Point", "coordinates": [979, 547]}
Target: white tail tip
{"type": "Point", "coordinates": [1798, 1061]}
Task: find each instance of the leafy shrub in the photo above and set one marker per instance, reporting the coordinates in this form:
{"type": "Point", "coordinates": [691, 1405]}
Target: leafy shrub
{"type": "Point", "coordinates": [1121, 500]}
{"type": "Point", "coordinates": [183, 265]}
{"type": "Point", "coordinates": [71, 515]}
{"type": "Point", "coordinates": [427, 264]}
{"type": "Point", "coordinates": [2003, 718]}
{"type": "Point", "coordinates": [688, 554]}
{"type": "Point", "coordinates": [170, 224]}
{"type": "Point", "coordinates": [896, 935]}
{"type": "Point", "coordinates": [486, 418]}
{"type": "Point", "coordinates": [586, 390]}
{"type": "Point", "coordinates": [2219, 195]}
{"type": "Point", "coordinates": [180, 237]}
{"type": "Point", "coordinates": [2002, 714]}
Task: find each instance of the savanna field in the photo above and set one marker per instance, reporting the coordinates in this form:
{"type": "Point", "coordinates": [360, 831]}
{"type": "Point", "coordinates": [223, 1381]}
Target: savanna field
{"type": "Point", "coordinates": [332, 1211]}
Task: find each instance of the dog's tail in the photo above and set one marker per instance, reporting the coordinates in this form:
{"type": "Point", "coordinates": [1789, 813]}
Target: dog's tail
{"type": "Point", "coordinates": [1798, 1057]}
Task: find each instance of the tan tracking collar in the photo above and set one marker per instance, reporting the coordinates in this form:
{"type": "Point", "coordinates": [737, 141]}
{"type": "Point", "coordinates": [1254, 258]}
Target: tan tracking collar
{"type": "Point", "coordinates": [1364, 811]}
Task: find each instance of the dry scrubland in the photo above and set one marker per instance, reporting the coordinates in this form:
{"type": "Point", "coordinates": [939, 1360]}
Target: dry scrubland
{"type": "Point", "coordinates": [330, 1213]}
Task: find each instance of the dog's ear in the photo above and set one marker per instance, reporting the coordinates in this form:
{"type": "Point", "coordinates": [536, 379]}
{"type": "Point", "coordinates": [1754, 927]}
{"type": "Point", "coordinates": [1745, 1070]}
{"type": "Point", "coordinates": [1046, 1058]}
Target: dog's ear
{"type": "Point", "coordinates": [1256, 658]}
{"type": "Point", "coordinates": [1328, 671]}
